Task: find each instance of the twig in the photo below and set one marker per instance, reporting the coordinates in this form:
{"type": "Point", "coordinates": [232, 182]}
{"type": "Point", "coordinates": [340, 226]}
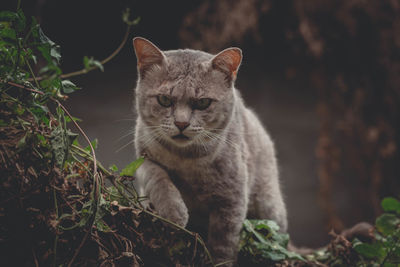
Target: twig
{"type": "Point", "coordinates": [177, 226]}
{"type": "Point", "coordinates": [96, 188]}
{"type": "Point", "coordinates": [104, 61]}
{"type": "Point", "coordinates": [389, 254]}
{"type": "Point", "coordinates": [195, 246]}
{"type": "Point", "coordinates": [70, 116]}
{"type": "Point", "coordinates": [56, 239]}
{"type": "Point", "coordinates": [35, 258]}
{"type": "Point", "coordinates": [96, 177]}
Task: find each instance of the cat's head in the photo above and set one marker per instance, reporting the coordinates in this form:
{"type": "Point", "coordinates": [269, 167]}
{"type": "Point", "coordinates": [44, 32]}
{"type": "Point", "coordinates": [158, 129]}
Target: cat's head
{"type": "Point", "coordinates": [185, 97]}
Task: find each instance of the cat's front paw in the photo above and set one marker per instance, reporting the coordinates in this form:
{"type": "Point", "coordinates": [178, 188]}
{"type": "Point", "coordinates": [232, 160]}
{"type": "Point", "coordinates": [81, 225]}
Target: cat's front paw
{"type": "Point", "coordinates": [176, 213]}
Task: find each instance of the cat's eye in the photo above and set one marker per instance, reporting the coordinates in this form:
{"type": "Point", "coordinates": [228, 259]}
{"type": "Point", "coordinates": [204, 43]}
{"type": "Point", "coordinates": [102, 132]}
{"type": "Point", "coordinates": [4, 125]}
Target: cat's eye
{"type": "Point", "coordinates": [201, 103]}
{"type": "Point", "coordinates": [164, 101]}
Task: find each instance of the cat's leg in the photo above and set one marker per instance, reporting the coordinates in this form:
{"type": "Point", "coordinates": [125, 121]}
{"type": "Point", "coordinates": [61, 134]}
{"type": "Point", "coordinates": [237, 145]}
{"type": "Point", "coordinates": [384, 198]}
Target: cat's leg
{"type": "Point", "coordinates": [155, 183]}
{"type": "Point", "coordinates": [225, 222]}
{"type": "Point", "coordinates": [269, 203]}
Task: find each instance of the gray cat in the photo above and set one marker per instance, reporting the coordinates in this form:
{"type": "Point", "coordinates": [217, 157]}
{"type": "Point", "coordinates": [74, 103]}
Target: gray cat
{"type": "Point", "coordinates": [209, 160]}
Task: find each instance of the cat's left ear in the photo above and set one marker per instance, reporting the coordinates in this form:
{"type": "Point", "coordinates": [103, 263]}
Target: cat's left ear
{"type": "Point", "coordinates": [228, 61]}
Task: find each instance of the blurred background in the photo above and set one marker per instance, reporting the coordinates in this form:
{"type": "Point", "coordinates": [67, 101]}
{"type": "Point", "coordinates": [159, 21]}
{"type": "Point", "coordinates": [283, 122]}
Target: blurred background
{"type": "Point", "coordinates": [323, 76]}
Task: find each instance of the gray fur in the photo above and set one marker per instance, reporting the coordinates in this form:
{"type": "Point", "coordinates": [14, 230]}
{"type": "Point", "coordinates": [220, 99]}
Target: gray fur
{"type": "Point", "coordinates": [227, 170]}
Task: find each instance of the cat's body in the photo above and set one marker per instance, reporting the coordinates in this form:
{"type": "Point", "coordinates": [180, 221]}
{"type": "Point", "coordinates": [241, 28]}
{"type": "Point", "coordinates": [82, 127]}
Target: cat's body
{"type": "Point", "coordinates": [209, 160]}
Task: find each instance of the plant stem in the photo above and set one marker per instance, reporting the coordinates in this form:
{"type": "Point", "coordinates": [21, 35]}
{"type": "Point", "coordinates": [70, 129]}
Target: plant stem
{"type": "Point", "coordinates": [198, 238]}
{"type": "Point", "coordinates": [104, 61]}
{"type": "Point", "coordinates": [56, 238]}
{"type": "Point", "coordinates": [31, 71]}
{"type": "Point", "coordinates": [96, 177]}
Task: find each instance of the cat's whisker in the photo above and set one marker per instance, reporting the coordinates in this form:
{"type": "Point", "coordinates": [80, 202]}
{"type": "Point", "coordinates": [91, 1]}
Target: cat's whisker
{"type": "Point", "coordinates": [122, 147]}
{"type": "Point", "coordinates": [230, 131]}
{"type": "Point", "coordinates": [225, 139]}
{"type": "Point", "coordinates": [202, 142]}
{"type": "Point", "coordinates": [130, 132]}
{"type": "Point", "coordinates": [119, 120]}
{"type": "Point", "coordinates": [151, 136]}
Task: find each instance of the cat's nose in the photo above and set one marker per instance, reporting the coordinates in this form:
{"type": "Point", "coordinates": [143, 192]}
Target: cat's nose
{"type": "Point", "coordinates": [181, 125]}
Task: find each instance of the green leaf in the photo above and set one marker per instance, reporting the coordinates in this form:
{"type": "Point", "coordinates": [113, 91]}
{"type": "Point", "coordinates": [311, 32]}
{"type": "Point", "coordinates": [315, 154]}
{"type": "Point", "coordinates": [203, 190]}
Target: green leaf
{"type": "Point", "coordinates": [55, 53]}
{"type": "Point", "coordinates": [3, 123]}
{"type": "Point", "coordinates": [370, 251]}
{"type": "Point", "coordinates": [113, 168]}
{"type": "Point", "coordinates": [94, 145]}
{"type": "Point", "coordinates": [261, 238]}
{"type": "Point", "coordinates": [391, 204]}
{"type": "Point", "coordinates": [21, 21]}
{"type": "Point", "coordinates": [22, 142]}
{"type": "Point", "coordinates": [68, 119]}
{"type": "Point", "coordinates": [177, 248]}
{"type": "Point", "coordinates": [101, 226]}
{"type": "Point", "coordinates": [89, 63]}
{"type": "Point", "coordinates": [387, 223]}
{"type": "Point", "coordinates": [60, 145]}
{"type": "Point", "coordinates": [86, 62]}
{"type": "Point", "coordinates": [8, 15]}
{"type": "Point", "coordinates": [8, 33]}
{"type": "Point", "coordinates": [19, 110]}
{"type": "Point", "coordinates": [98, 65]}
{"type": "Point", "coordinates": [68, 86]}
{"type": "Point", "coordinates": [125, 17]}
{"type": "Point", "coordinates": [274, 255]}
{"type": "Point", "coordinates": [131, 168]}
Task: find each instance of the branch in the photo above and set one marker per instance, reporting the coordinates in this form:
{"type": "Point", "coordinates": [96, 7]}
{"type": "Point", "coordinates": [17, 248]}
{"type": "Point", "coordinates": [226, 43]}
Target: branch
{"type": "Point", "coordinates": [104, 61]}
{"type": "Point", "coordinates": [96, 177]}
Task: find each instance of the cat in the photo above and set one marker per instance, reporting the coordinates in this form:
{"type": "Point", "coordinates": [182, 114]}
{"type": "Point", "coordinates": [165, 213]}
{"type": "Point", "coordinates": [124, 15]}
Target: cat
{"type": "Point", "coordinates": [209, 160]}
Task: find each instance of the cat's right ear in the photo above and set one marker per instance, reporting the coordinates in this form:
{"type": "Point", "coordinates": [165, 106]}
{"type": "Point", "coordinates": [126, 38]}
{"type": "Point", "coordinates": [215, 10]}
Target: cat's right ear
{"type": "Point", "coordinates": [147, 54]}
{"type": "Point", "coordinates": [228, 62]}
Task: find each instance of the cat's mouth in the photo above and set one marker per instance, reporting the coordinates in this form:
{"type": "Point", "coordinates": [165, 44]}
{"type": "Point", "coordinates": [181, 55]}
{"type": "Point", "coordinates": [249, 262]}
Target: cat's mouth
{"type": "Point", "coordinates": [180, 137]}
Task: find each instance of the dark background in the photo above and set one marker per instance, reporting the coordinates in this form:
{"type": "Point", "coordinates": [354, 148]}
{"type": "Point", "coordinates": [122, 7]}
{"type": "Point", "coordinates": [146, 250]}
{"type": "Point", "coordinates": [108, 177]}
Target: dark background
{"type": "Point", "coordinates": [323, 76]}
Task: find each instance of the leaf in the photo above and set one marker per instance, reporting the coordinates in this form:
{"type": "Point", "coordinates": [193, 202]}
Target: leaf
{"type": "Point", "coordinates": [89, 63]}
{"type": "Point", "coordinates": [177, 248]}
{"type": "Point", "coordinates": [101, 226]}
{"type": "Point", "coordinates": [86, 62]}
{"type": "Point", "coordinates": [60, 145]}
{"type": "Point", "coordinates": [113, 168]}
{"type": "Point", "coordinates": [21, 21]}
{"type": "Point", "coordinates": [68, 86]}
{"type": "Point", "coordinates": [19, 110]}
{"type": "Point", "coordinates": [131, 168]}
{"type": "Point", "coordinates": [8, 33]}
{"type": "Point", "coordinates": [22, 142]}
{"type": "Point", "coordinates": [391, 204]}
{"type": "Point", "coordinates": [275, 256]}
{"type": "Point", "coordinates": [387, 223]}
{"type": "Point", "coordinates": [55, 53]}
{"type": "Point", "coordinates": [370, 251]}
{"type": "Point", "coordinates": [94, 145]}
{"type": "Point", "coordinates": [3, 123]}
{"type": "Point", "coordinates": [68, 119]}
{"type": "Point", "coordinates": [98, 65]}
{"type": "Point", "coordinates": [261, 238]}
{"type": "Point", "coordinates": [7, 15]}
{"type": "Point", "coordinates": [125, 17]}
{"type": "Point", "coordinates": [71, 136]}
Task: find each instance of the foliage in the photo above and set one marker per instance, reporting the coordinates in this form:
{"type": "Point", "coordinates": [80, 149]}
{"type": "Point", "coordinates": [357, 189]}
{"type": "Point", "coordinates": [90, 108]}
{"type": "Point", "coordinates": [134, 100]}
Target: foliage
{"type": "Point", "coordinates": [261, 241]}
{"type": "Point", "coordinates": [385, 250]}
{"type": "Point", "coordinates": [55, 208]}
{"type": "Point", "coordinates": [379, 247]}
{"type": "Point", "coordinates": [57, 211]}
